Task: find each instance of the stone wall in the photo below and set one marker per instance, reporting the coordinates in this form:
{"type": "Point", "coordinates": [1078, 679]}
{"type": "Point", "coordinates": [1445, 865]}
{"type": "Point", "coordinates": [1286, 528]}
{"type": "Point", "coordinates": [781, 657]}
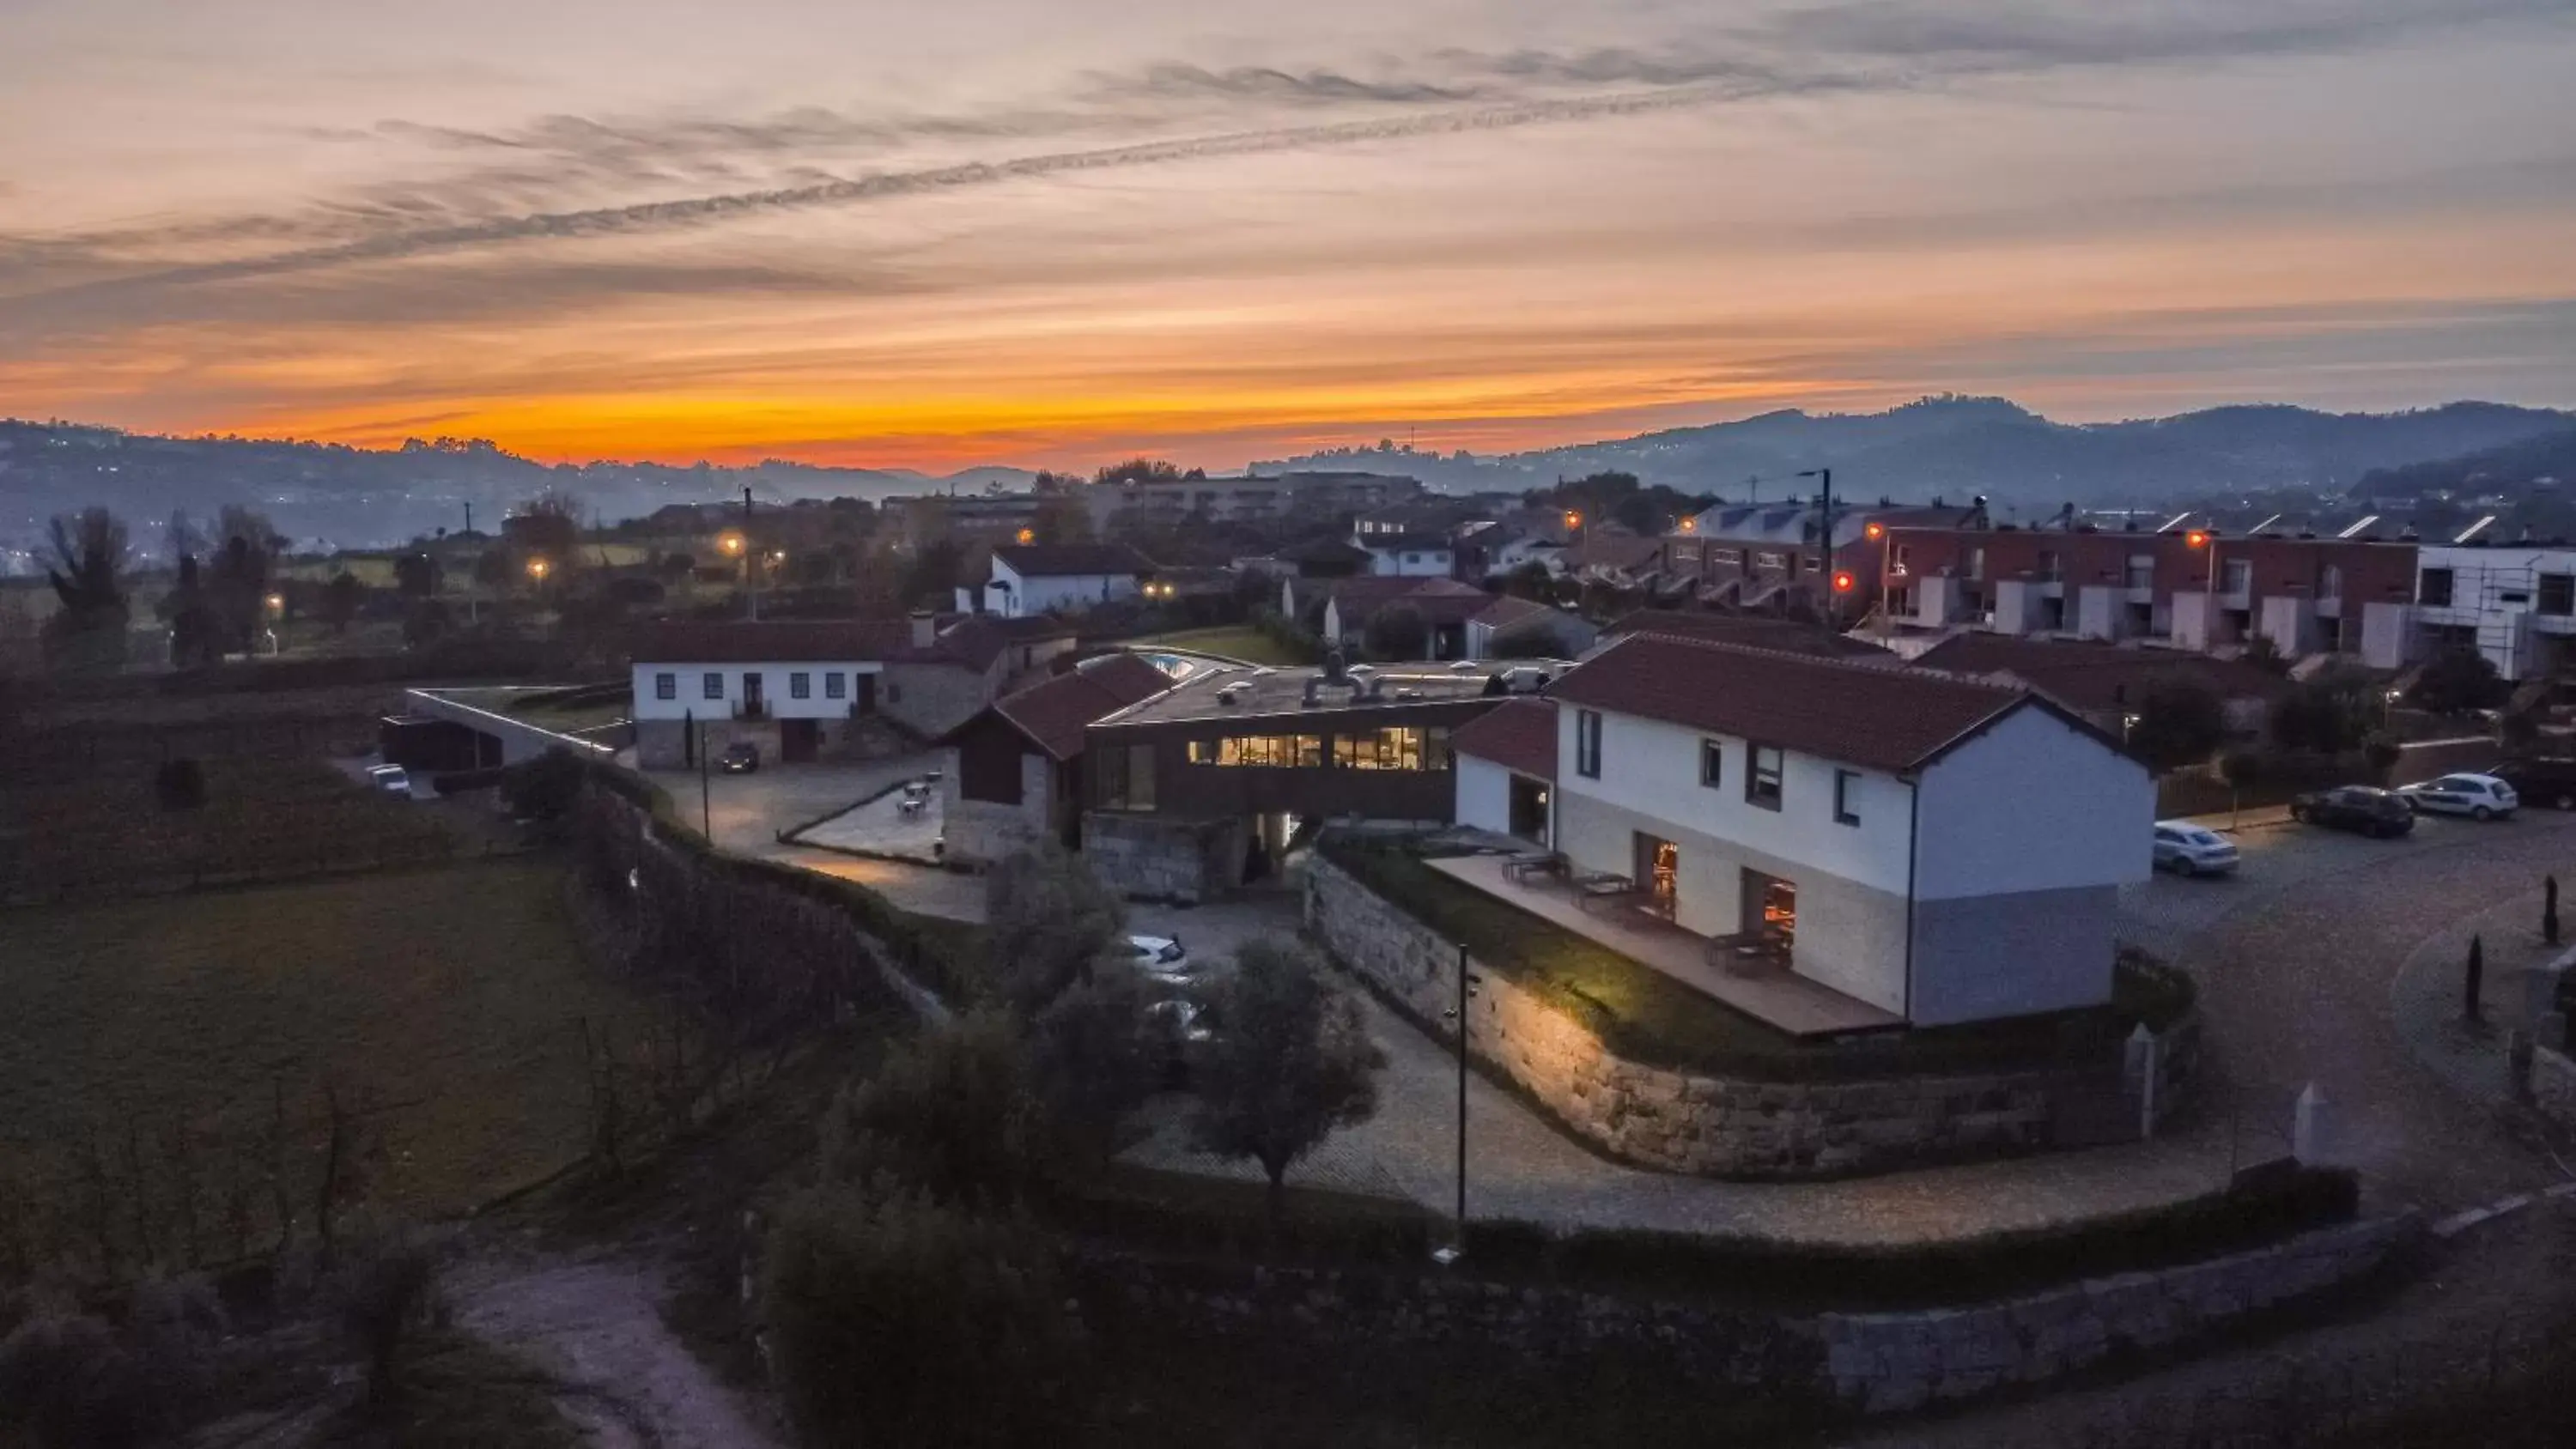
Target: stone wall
{"type": "Point", "coordinates": [1715, 1126]}
{"type": "Point", "coordinates": [1154, 858]}
{"type": "Point", "coordinates": [1874, 1363]}
{"type": "Point", "coordinates": [2553, 1085]}
{"type": "Point", "coordinates": [980, 832]}
{"type": "Point", "coordinates": [932, 699]}
{"type": "Point", "coordinates": [1886, 1362]}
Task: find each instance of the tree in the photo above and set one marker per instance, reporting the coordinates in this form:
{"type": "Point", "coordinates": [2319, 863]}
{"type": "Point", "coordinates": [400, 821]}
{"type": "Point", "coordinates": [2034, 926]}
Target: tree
{"type": "Point", "coordinates": [934, 573]}
{"type": "Point", "coordinates": [2178, 724]}
{"type": "Point", "coordinates": [87, 630]}
{"type": "Point", "coordinates": [949, 1112]}
{"type": "Point", "coordinates": [1138, 470]}
{"type": "Point", "coordinates": [1288, 1062]}
{"type": "Point", "coordinates": [340, 600]}
{"type": "Point", "coordinates": [1094, 1057]}
{"type": "Point", "coordinates": [543, 788]}
{"type": "Point", "coordinates": [1397, 632]}
{"type": "Point", "coordinates": [897, 1320]}
{"type": "Point", "coordinates": [2457, 681]}
{"type": "Point", "coordinates": [2328, 714]}
{"type": "Point", "coordinates": [1531, 581]}
{"type": "Point", "coordinates": [1048, 922]}
{"type": "Point", "coordinates": [416, 574]}
{"type": "Point", "coordinates": [2261, 652]}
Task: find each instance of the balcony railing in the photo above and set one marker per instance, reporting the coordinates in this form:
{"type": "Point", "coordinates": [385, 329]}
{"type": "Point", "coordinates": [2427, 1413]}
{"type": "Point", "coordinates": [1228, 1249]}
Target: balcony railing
{"type": "Point", "coordinates": [751, 709]}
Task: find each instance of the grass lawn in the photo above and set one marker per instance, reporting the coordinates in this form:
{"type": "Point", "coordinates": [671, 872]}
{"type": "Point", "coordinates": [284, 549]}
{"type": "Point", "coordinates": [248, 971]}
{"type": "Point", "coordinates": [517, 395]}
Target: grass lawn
{"type": "Point", "coordinates": [1234, 641]}
{"type": "Point", "coordinates": [450, 997]}
{"type": "Point", "coordinates": [1650, 1018]}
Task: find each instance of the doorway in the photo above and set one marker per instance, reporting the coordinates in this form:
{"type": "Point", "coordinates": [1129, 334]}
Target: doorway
{"type": "Point", "coordinates": [1658, 875]}
{"type": "Point", "coordinates": [797, 739]}
{"type": "Point", "coordinates": [1529, 809]}
{"type": "Point", "coordinates": [751, 697]}
{"type": "Point", "coordinates": [1770, 908]}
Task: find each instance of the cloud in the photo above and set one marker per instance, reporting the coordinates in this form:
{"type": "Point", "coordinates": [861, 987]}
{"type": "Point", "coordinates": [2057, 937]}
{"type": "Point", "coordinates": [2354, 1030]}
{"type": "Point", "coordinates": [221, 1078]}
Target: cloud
{"type": "Point", "coordinates": [2022, 35]}
{"type": "Point", "coordinates": [1173, 80]}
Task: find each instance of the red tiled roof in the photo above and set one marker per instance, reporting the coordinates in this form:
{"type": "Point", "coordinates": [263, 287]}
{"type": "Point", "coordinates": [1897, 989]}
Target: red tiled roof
{"type": "Point", "coordinates": [2094, 675]}
{"type": "Point", "coordinates": [1876, 717]}
{"type": "Point", "coordinates": [1508, 611]}
{"type": "Point", "coordinates": [979, 639]}
{"type": "Point", "coordinates": [1754, 630]}
{"type": "Point", "coordinates": [744, 641]}
{"type": "Point", "coordinates": [1518, 734]}
{"type": "Point", "coordinates": [1054, 714]}
{"type": "Point", "coordinates": [1065, 560]}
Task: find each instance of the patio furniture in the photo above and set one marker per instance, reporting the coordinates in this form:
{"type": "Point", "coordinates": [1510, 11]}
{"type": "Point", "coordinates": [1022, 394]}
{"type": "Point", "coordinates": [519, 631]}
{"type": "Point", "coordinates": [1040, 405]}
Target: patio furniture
{"type": "Point", "coordinates": [1520, 867]}
{"type": "Point", "coordinates": [1600, 886]}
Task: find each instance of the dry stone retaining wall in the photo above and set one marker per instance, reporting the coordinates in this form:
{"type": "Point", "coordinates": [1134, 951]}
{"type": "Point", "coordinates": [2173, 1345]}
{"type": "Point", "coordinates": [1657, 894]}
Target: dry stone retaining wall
{"type": "Point", "coordinates": [1874, 1363]}
{"type": "Point", "coordinates": [1716, 1126]}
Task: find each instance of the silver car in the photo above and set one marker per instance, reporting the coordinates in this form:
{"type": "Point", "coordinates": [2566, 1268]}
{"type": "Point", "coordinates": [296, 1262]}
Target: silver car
{"type": "Point", "coordinates": [2188, 849]}
{"type": "Point", "coordinates": [2480, 797]}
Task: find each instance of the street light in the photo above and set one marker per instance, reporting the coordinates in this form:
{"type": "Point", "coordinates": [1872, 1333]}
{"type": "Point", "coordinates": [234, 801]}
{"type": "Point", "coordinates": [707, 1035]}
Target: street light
{"type": "Point", "coordinates": [1027, 535]}
{"type": "Point", "coordinates": [1467, 984]}
{"type": "Point", "coordinates": [731, 543]}
{"type": "Point", "coordinates": [537, 568]}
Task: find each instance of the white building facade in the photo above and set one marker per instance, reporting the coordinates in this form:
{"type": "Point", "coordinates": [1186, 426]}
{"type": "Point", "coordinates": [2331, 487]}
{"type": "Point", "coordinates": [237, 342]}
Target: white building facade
{"type": "Point", "coordinates": [1944, 850]}
{"type": "Point", "coordinates": [2513, 603]}
{"type": "Point", "coordinates": [1043, 579]}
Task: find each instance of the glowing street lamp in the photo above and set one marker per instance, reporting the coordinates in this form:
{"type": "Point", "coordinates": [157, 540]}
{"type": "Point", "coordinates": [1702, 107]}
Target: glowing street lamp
{"type": "Point", "coordinates": [538, 568]}
{"type": "Point", "coordinates": [277, 603]}
{"type": "Point", "coordinates": [731, 543]}
{"type": "Point", "coordinates": [1027, 535]}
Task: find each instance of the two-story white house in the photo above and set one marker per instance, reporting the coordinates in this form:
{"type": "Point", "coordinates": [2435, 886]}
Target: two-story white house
{"type": "Point", "coordinates": [1409, 555]}
{"type": "Point", "coordinates": [1040, 578]}
{"type": "Point", "coordinates": [1943, 849]}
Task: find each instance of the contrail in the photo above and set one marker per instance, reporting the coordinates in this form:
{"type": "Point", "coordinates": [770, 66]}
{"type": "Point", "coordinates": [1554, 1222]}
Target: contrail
{"type": "Point", "coordinates": [665, 215]}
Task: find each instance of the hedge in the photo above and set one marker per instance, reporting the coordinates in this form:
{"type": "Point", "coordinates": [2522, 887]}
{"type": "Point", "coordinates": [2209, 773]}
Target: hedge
{"type": "Point", "coordinates": [1188, 1216]}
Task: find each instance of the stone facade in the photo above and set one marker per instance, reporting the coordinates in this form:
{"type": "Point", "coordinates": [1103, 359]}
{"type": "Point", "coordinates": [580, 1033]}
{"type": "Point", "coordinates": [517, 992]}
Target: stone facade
{"type": "Point", "coordinates": [980, 832]}
{"type": "Point", "coordinates": [662, 744]}
{"type": "Point", "coordinates": [1873, 1363]}
{"type": "Point", "coordinates": [932, 699]}
{"type": "Point", "coordinates": [1715, 1126]}
{"type": "Point", "coordinates": [1154, 858]}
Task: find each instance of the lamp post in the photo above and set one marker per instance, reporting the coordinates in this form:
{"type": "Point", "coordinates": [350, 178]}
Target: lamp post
{"type": "Point", "coordinates": [1467, 983]}
{"type": "Point", "coordinates": [1834, 582]}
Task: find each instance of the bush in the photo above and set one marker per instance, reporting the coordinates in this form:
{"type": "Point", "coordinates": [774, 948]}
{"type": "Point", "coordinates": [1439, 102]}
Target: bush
{"type": "Point", "coordinates": [949, 1112]}
{"type": "Point", "coordinates": [384, 1289]}
{"type": "Point", "coordinates": [895, 1320]}
{"type": "Point", "coordinates": [544, 788]}
{"type": "Point", "coordinates": [180, 785]}
{"type": "Point", "coordinates": [72, 1380]}
{"type": "Point", "coordinates": [1094, 1057]}
{"type": "Point", "coordinates": [2458, 681]}
{"type": "Point", "coordinates": [2178, 724]}
{"type": "Point", "coordinates": [1048, 922]}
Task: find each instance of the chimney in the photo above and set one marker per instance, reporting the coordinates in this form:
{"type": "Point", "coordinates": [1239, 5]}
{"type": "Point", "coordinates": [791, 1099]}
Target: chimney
{"type": "Point", "coordinates": [925, 629]}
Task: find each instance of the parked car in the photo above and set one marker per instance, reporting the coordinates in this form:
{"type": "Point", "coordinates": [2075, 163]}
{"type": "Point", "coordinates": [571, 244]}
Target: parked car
{"type": "Point", "coordinates": [2366, 809]}
{"type": "Point", "coordinates": [742, 757]}
{"type": "Point", "coordinates": [2480, 797]}
{"type": "Point", "coordinates": [2187, 849]}
{"type": "Point", "coordinates": [2547, 782]}
{"type": "Point", "coordinates": [1163, 956]}
{"type": "Point", "coordinates": [392, 779]}
{"type": "Point", "coordinates": [1184, 1024]}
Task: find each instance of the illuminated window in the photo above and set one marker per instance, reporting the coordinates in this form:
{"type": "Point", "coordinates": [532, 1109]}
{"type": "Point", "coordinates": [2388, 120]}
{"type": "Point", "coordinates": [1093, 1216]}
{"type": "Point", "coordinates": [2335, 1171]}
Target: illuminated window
{"type": "Point", "coordinates": [1270, 752]}
{"type": "Point", "coordinates": [1393, 748]}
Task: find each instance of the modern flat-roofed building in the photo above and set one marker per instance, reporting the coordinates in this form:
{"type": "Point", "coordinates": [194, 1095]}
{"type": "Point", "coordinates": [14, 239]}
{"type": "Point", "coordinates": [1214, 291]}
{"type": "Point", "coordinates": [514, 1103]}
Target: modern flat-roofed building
{"type": "Point", "coordinates": [1203, 788]}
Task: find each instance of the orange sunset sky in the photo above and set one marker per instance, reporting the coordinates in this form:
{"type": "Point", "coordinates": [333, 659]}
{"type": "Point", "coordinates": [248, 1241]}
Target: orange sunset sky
{"type": "Point", "coordinates": [1054, 231]}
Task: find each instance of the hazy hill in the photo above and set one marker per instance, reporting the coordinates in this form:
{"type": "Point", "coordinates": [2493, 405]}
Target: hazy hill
{"type": "Point", "coordinates": [1960, 446]}
{"type": "Point", "coordinates": [320, 493]}
{"type": "Point", "coordinates": [2547, 462]}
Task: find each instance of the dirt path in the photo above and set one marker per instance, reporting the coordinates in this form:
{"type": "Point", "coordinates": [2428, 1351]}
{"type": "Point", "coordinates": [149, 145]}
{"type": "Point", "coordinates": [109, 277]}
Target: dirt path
{"type": "Point", "coordinates": [597, 1323]}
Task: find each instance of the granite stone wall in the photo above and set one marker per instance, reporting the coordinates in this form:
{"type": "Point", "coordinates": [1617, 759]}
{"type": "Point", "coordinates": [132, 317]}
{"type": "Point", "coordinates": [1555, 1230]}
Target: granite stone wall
{"type": "Point", "coordinates": [1874, 1363]}
{"type": "Point", "coordinates": [982, 832]}
{"type": "Point", "coordinates": [1155, 858]}
{"type": "Point", "coordinates": [1713, 1125]}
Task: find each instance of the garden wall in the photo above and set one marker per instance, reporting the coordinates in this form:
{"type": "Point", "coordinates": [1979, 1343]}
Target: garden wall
{"type": "Point", "coordinates": [1716, 1126]}
{"type": "Point", "coordinates": [1873, 1363]}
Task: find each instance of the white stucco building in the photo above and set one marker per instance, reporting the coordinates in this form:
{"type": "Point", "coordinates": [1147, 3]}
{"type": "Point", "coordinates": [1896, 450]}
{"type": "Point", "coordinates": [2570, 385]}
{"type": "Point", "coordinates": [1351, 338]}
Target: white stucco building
{"type": "Point", "coordinates": [1061, 578]}
{"type": "Point", "coordinates": [1939, 848]}
{"type": "Point", "coordinates": [2513, 603]}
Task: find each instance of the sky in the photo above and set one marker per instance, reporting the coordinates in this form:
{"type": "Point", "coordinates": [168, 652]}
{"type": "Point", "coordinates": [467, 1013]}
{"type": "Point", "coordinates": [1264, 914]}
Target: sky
{"type": "Point", "coordinates": [1062, 231]}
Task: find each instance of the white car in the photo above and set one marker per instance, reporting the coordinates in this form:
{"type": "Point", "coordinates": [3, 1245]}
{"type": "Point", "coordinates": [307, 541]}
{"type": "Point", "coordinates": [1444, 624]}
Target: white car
{"type": "Point", "coordinates": [2480, 797]}
{"type": "Point", "coordinates": [1162, 956]}
{"type": "Point", "coordinates": [392, 779]}
{"type": "Point", "coordinates": [2187, 849]}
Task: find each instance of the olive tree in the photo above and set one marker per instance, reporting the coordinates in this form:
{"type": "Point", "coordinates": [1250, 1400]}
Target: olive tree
{"type": "Point", "coordinates": [1288, 1061]}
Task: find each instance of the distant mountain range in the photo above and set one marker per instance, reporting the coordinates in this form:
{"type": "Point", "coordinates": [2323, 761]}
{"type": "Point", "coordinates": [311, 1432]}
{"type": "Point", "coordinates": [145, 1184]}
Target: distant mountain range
{"type": "Point", "coordinates": [2546, 463]}
{"type": "Point", "coordinates": [327, 495]}
{"type": "Point", "coordinates": [1962, 446]}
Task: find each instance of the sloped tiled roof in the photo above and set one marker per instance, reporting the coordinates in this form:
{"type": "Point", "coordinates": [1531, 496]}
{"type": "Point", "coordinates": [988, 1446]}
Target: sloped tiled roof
{"type": "Point", "coordinates": [1873, 716]}
{"type": "Point", "coordinates": [1063, 560]}
{"type": "Point", "coordinates": [979, 639]}
{"type": "Point", "coordinates": [1518, 734]}
{"type": "Point", "coordinates": [746, 641]}
{"type": "Point", "coordinates": [2097, 676]}
{"type": "Point", "coordinates": [1756, 630]}
{"type": "Point", "coordinates": [1054, 714]}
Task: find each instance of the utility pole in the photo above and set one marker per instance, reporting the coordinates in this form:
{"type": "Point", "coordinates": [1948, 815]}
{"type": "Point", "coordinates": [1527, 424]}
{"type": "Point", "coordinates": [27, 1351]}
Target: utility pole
{"type": "Point", "coordinates": [1825, 504]}
{"type": "Point", "coordinates": [750, 565]}
{"type": "Point", "coordinates": [1467, 983]}
{"type": "Point", "coordinates": [706, 806]}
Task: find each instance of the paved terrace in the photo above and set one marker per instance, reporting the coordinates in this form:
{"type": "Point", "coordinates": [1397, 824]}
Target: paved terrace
{"type": "Point", "coordinates": [1777, 998]}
